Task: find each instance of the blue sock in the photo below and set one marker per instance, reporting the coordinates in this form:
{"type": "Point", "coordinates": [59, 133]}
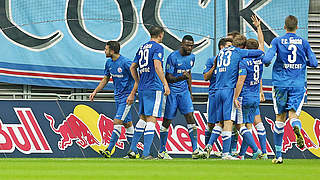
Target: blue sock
{"type": "Point", "coordinates": [129, 134]}
{"type": "Point", "coordinates": [234, 141]}
{"type": "Point", "coordinates": [192, 129]}
{"type": "Point", "coordinates": [163, 138]}
{"type": "Point", "coordinates": [246, 134]}
{"type": "Point", "coordinates": [207, 135]}
{"type": "Point", "coordinates": [243, 149]}
{"type": "Point", "coordinates": [226, 138]}
{"type": "Point", "coordinates": [216, 131]}
{"type": "Point", "coordinates": [114, 137]}
{"type": "Point", "coordinates": [295, 122]}
{"type": "Point", "coordinates": [261, 131]}
{"type": "Point", "coordinates": [137, 135]}
{"type": "Point", "coordinates": [148, 137]}
{"type": "Point", "coordinates": [278, 136]}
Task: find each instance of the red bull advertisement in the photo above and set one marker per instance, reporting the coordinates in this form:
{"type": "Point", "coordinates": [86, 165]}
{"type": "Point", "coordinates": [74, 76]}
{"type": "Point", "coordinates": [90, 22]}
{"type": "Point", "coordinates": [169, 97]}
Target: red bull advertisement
{"type": "Point", "coordinates": [80, 129]}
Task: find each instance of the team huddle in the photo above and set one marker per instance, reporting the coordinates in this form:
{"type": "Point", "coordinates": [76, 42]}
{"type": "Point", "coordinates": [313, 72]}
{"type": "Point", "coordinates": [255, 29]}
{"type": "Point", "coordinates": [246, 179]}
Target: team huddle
{"type": "Point", "coordinates": [234, 95]}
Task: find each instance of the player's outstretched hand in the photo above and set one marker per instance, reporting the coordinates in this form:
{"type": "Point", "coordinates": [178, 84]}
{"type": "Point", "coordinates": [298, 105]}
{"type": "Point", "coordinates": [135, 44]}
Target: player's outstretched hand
{"type": "Point", "coordinates": [262, 98]}
{"type": "Point", "coordinates": [92, 95]}
{"type": "Point", "coordinates": [130, 99]}
{"type": "Point", "coordinates": [166, 90]}
{"type": "Point", "coordinates": [255, 20]}
{"type": "Point", "coordinates": [237, 103]}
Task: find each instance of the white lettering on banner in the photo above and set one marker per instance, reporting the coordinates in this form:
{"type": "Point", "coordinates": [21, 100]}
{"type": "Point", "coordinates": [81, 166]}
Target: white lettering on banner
{"type": "Point", "coordinates": [27, 137]}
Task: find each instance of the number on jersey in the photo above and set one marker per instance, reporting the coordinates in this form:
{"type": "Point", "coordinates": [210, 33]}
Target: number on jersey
{"type": "Point", "coordinates": [293, 56]}
{"type": "Point", "coordinates": [144, 55]}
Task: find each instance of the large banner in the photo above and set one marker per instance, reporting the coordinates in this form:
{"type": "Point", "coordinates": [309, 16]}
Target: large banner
{"type": "Point", "coordinates": [80, 129]}
{"type": "Point", "coordinates": [61, 43]}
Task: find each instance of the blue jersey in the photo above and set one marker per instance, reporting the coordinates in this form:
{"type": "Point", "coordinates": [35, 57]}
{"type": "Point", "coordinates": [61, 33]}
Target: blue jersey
{"type": "Point", "coordinates": [177, 65]}
{"type": "Point", "coordinates": [289, 69]}
{"type": "Point", "coordinates": [121, 75]}
{"type": "Point", "coordinates": [209, 65]}
{"type": "Point", "coordinates": [252, 68]}
{"type": "Point", "coordinates": [149, 80]}
{"type": "Point", "coordinates": [228, 65]}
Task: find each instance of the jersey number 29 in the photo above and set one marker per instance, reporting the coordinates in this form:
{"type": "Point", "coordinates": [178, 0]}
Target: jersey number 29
{"type": "Point", "coordinates": [144, 55]}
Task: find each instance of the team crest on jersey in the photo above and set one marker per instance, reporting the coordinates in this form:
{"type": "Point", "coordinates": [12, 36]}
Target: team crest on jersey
{"type": "Point", "coordinates": [119, 70]}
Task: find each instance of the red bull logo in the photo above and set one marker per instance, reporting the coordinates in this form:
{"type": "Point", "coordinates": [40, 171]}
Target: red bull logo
{"type": "Point", "coordinates": [27, 137]}
{"type": "Point", "coordinates": [310, 131]}
{"type": "Point", "coordinates": [86, 128]}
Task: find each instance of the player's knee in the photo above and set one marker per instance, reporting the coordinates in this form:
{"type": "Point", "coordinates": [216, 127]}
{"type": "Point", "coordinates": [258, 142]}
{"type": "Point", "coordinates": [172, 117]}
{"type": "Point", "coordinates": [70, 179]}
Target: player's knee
{"type": "Point", "coordinates": [166, 122]}
{"type": "Point", "coordinates": [210, 126]}
{"type": "Point", "coordinates": [292, 114]}
{"type": "Point", "coordinates": [189, 118]}
{"type": "Point", "coordinates": [117, 122]}
{"type": "Point", "coordinates": [128, 124]}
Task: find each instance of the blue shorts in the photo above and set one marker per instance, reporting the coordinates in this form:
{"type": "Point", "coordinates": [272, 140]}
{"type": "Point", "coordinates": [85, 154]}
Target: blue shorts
{"type": "Point", "coordinates": [224, 103]}
{"type": "Point", "coordinates": [287, 98]}
{"type": "Point", "coordinates": [181, 101]}
{"type": "Point", "coordinates": [211, 109]}
{"type": "Point", "coordinates": [123, 110]}
{"type": "Point", "coordinates": [249, 109]}
{"type": "Point", "coordinates": [151, 103]}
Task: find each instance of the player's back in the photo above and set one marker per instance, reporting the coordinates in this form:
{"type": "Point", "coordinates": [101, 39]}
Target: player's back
{"type": "Point", "coordinates": [149, 80]}
{"type": "Point", "coordinates": [177, 65]}
{"type": "Point", "coordinates": [120, 72]}
{"type": "Point", "coordinates": [289, 69]}
{"type": "Point", "coordinates": [252, 68]}
{"type": "Point", "coordinates": [228, 67]}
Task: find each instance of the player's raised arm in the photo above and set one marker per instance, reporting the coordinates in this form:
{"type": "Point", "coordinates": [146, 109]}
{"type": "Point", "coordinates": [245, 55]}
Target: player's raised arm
{"type": "Point", "coordinates": [209, 69]}
{"type": "Point", "coordinates": [312, 60]}
{"type": "Point", "coordinates": [240, 82]}
{"type": "Point", "coordinates": [101, 85]}
{"type": "Point", "coordinates": [256, 22]}
{"type": "Point", "coordinates": [158, 68]}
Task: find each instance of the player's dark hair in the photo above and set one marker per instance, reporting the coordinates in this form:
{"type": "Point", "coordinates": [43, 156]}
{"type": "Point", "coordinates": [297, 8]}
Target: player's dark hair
{"type": "Point", "coordinates": [239, 41]}
{"type": "Point", "coordinates": [187, 38]}
{"type": "Point", "coordinates": [223, 42]}
{"type": "Point", "coordinates": [291, 23]}
{"type": "Point", "coordinates": [114, 45]}
{"type": "Point", "coordinates": [252, 44]}
{"type": "Point", "coordinates": [233, 34]}
{"type": "Point", "coordinates": [155, 31]}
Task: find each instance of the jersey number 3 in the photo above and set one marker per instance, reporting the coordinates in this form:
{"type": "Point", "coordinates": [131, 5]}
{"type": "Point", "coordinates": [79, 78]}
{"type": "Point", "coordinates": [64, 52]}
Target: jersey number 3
{"type": "Point", "coordinates": [293, 56]}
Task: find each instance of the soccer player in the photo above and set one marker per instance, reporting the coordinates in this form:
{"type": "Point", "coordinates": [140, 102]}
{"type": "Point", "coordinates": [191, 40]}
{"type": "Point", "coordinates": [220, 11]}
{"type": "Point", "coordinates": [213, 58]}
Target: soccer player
{"type": "Point", "coordinates": [117, 67]}
{"type": "Point", "coordinates": [209, 74]}
{"type": "Point", "coordinates": [226, 78]}
{"type": "Point", "coordinates": [289, 81]}
{"type": "Point", "coordinates": [178, 75]}
{"type": "Point", "coordinates": [247, 97]}
{"type": "Point", "coordinates": [151, 82]}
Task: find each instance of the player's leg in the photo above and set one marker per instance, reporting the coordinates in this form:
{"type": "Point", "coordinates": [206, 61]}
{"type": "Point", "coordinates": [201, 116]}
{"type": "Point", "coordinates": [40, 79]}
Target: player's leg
{"type": "Point", "coordinates": [169, 114]}
{"type": "Point", "coordinates": [234, 141]}
{"type": "Point", "coordinates": [229, 116]}
{"type": "Point", "coordinates": [139, 129]}
{"type": "Point", "coordinates": [280, 98]}
{"type": "Point", "coordinates": [261, 131]}
{"type": "Point", "coordinates": [153, 109]}
{"type": "Point", "coordinates": [211, 117]}
{"type": "Point", "coordinates": [129, 131]}
{"type": "Point", "coordinates": [295, 102]}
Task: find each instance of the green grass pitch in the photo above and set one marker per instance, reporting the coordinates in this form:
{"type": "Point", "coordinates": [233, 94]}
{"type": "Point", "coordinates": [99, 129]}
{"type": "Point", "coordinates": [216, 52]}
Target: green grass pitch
{"type": "Point", "coordinates": [180, 168]}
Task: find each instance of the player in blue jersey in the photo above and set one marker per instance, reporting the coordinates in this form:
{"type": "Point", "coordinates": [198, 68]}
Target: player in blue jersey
{"type": "Point", "coordinates": [117, 67]}
{"type": "Point", "coordinates": [227, 75]}
{"type": "Point", "coordinates": [178, 75]}
{"type": "Point", "coordinates": [209, 74]}
{"type": "Point", "coordinates": [247, 97]}
{"type": "Point", "coordinates": [289, 81]}
{"type": "Point", "coordinates": [150, 83]}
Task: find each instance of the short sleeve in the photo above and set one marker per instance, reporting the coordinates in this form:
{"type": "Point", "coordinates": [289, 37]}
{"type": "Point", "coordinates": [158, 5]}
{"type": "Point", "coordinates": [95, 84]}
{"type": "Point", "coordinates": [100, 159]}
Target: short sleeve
{"type": "Point", "coordinates": [106, 69]}
{"type": "Point", "coordinates": [169, 65]}
{"type": "Point", "coordinates": [242, 68]}
{"type": "Point", "coordinates": [208, 65]}
{"type": "Point", "coordinates": [136, 58]}
{"type": "Point", "coordinates": [158, 53]}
